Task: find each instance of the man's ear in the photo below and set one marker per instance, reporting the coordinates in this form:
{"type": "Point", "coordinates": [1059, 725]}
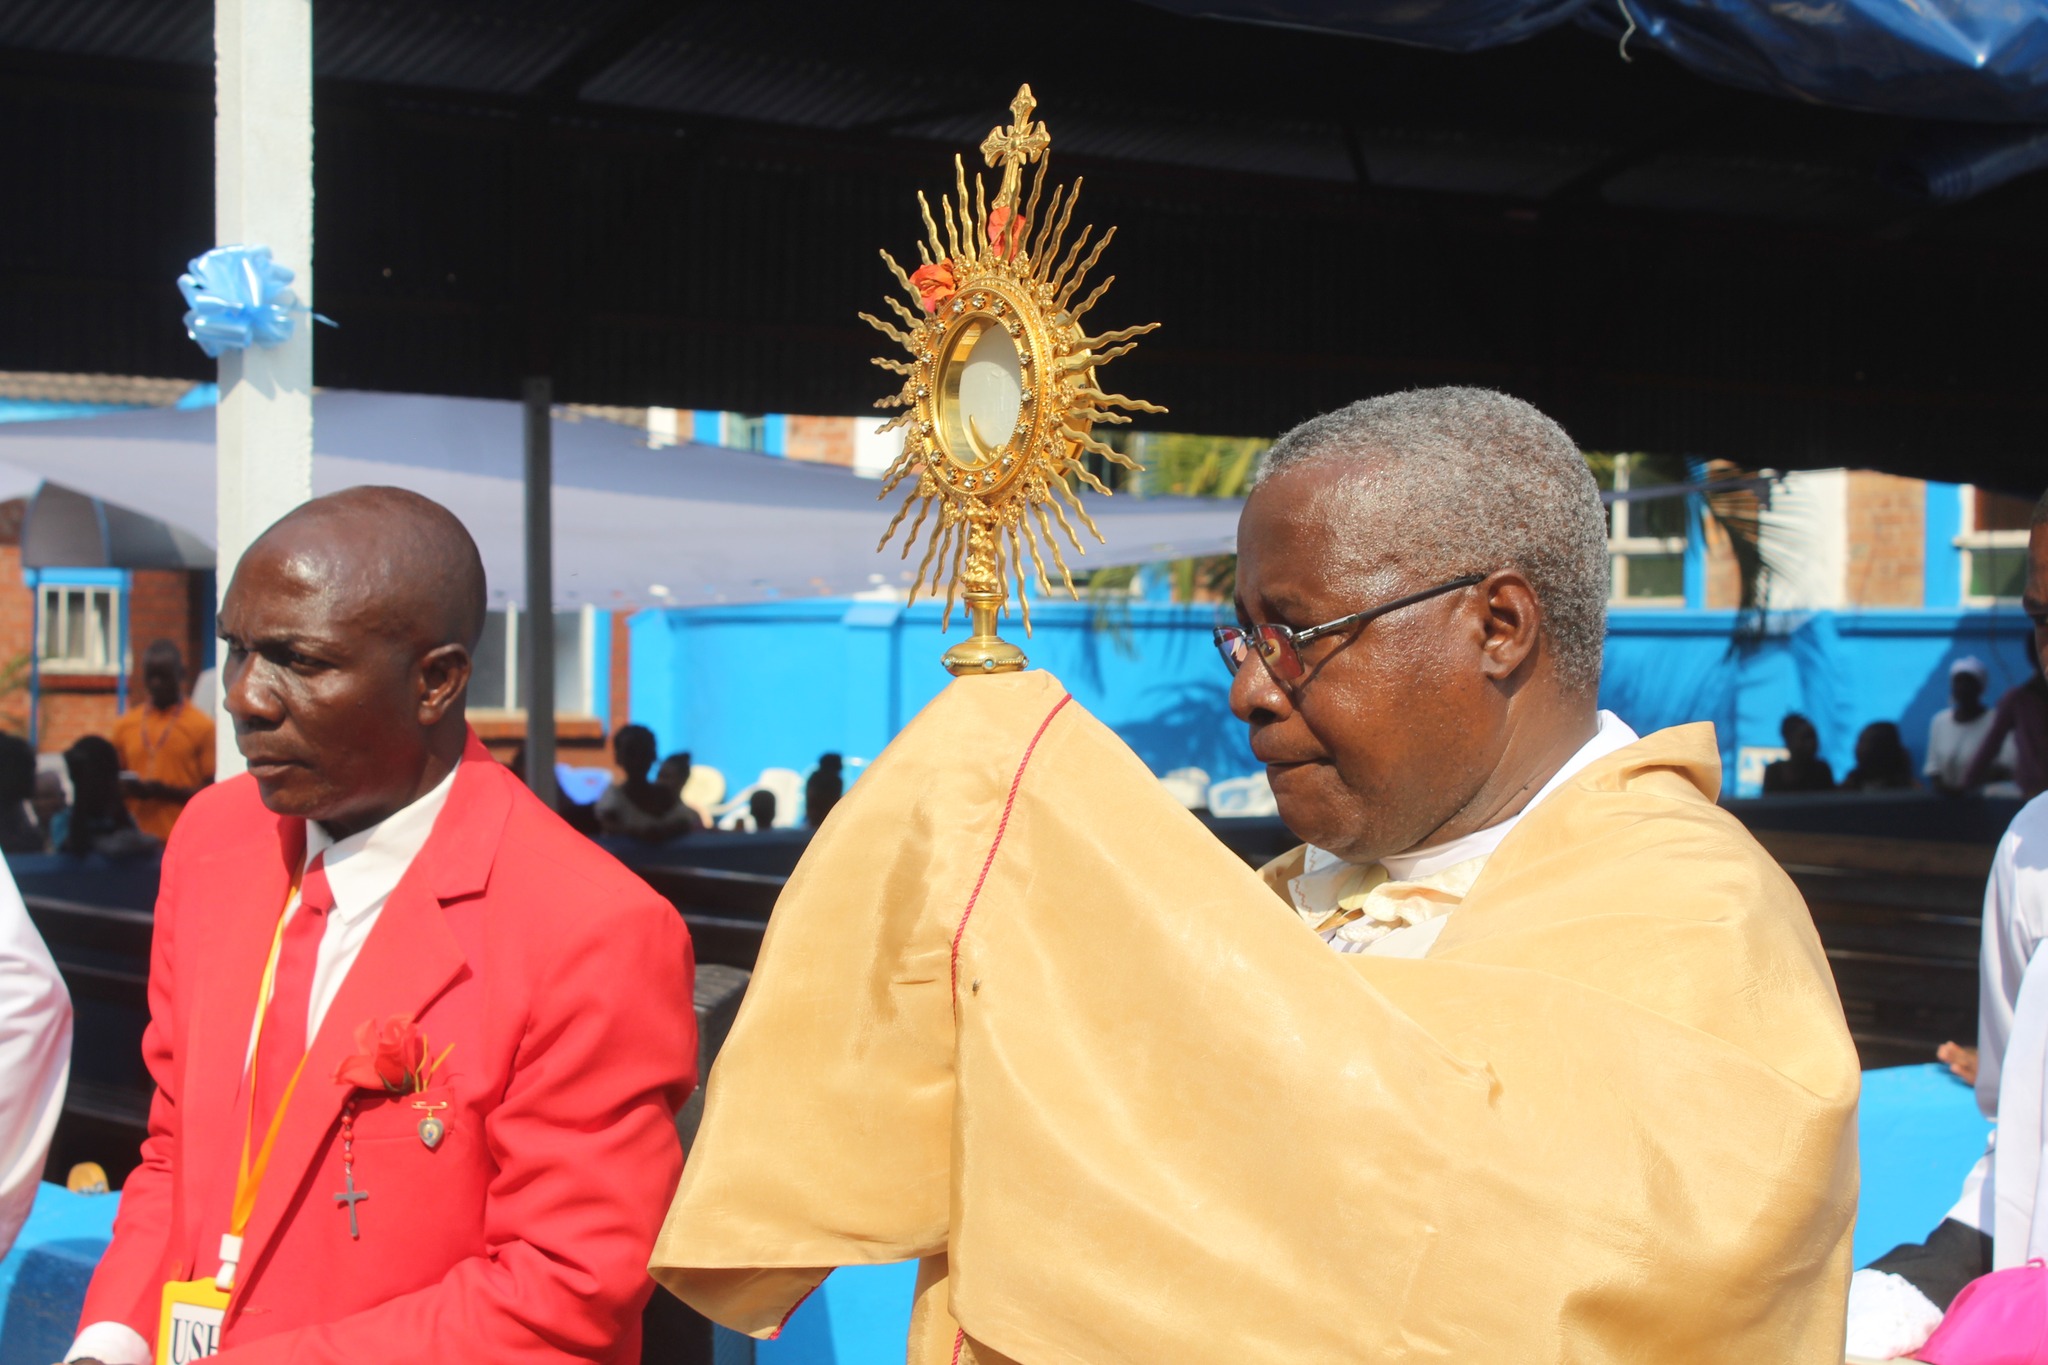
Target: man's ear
{"type": "Point", "coordinates": [444, 679]}
{"type": "Point", "coordinates": [1513, 621]}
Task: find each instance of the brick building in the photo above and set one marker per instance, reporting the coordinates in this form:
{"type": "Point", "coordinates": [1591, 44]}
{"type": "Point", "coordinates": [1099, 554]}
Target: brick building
{"type": "Point", "coordinates": [71, 640]}
{"type": "Point", "coordinates": [95, 624]}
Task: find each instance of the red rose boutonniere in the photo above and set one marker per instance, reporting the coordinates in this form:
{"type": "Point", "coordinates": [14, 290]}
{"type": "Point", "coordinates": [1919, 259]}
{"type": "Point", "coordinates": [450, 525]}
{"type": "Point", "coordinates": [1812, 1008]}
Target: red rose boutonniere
{"type": "Point", "coordinates": [391, 1055]}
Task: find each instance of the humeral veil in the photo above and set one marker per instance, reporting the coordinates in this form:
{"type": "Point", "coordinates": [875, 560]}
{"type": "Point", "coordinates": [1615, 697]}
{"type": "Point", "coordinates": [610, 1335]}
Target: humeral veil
{"type": "Point", "coordinates": [1020, 1015]}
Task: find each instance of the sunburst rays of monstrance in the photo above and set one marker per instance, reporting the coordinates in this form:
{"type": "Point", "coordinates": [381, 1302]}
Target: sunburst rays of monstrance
{"type": "Point", "coordinates": [1000, 393]}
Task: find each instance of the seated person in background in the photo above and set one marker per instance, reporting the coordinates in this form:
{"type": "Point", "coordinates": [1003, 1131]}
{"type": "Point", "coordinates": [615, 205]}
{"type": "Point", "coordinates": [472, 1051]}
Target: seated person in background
{"type": "Point", "coordinates": [20, 832]}
{"type": "Point", "coordinates": [823, 790]}
{"type": "Point", "coordinates": [2022, 715]}
{"type": "Point", "coordinates": [635, 806]}
{"type": "Point", "coordinates": [761, 811]}
{"type": "Point", "coordinates": [580, 816]}
{"type": "Point", "coordinates": [53, 806]}
{"type": "Point", "coordinates": [2001, 1218]}
{"type": "Point", "coordinates": [1958, 730]}
{"type": "Point", "coordinates": [1803, 769]}
{"type": "Point", "coordinates": [167, 744]}
{"type": "Point", "coordinates": [674, 773]}
{"type": "Point", "coordinates": [1882, 763]}
{"type": "Point", "coordinates": [100, 822]}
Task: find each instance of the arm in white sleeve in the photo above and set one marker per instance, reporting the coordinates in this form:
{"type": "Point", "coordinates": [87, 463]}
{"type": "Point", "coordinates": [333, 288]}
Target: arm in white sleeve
{"type": "Point", "coordinates": [115, 1343]}
{"type": "Point", "coordinates": [2015, 921]}
{"type": "Point", "coordinates": [35, 1057]}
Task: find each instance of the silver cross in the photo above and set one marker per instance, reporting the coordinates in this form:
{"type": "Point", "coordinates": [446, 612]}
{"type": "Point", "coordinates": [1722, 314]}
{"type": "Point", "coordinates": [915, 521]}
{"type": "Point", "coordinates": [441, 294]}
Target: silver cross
{"type": "Point", "coordinates": [352, 1198]}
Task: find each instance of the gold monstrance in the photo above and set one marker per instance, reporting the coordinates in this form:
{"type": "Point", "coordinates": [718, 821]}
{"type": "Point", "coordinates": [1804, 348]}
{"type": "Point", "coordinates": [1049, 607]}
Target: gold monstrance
{"type": "Point", "coordinates": [1000, 392]}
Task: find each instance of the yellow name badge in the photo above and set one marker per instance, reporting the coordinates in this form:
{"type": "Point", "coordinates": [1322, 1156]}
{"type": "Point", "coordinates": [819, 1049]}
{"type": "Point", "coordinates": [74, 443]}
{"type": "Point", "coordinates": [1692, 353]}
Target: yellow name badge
{"type": "Point", "coordinates": [190, 1326]}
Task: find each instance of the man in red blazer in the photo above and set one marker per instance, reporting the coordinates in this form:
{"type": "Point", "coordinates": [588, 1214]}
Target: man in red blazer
{"type": "Point", "coordinates": [467, 1027]}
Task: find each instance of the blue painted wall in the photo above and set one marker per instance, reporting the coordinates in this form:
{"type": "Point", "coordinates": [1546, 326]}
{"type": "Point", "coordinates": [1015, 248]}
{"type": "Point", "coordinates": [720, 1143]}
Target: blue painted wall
{"type": "Point", "coordinates": [777, 684]}
{"type": "Point", "coordinates": [1942, 574]}
{"type": "Point", "coordinates": [1841, 669]}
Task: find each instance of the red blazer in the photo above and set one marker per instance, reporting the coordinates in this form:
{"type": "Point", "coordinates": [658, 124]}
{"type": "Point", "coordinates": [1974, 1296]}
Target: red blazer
{"type": "Point", "coordinates": [564, 984]}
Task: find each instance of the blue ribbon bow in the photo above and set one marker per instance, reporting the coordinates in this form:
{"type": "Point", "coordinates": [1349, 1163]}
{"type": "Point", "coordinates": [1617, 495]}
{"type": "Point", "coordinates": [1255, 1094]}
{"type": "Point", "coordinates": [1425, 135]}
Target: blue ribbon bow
{"type": "Point", "coordinates": [239, 298]}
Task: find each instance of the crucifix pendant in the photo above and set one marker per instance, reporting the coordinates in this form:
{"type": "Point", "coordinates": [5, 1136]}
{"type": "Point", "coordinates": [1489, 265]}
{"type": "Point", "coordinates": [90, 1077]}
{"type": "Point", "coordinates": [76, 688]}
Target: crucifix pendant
{"type": "Point", "coordinates": [352, 1197]}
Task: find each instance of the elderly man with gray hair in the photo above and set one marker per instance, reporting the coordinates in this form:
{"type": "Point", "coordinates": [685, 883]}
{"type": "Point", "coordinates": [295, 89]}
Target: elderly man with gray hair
{"type": "Point", "coordinates": [1423, 578]}
{"type": "Point", "coordinates": [1574, 1086]}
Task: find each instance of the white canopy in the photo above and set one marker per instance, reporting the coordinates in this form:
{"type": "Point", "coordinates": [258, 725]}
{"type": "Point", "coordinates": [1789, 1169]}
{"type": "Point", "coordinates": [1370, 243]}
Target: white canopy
{"type": "Point", "coordinates": [634, 526]}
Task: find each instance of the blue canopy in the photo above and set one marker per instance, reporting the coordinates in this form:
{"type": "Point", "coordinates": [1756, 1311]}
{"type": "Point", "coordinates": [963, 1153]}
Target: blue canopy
{"type": "Point", "coordinates": [1975, 60]}
{"type": "Point", "coordinates": [633, 526]}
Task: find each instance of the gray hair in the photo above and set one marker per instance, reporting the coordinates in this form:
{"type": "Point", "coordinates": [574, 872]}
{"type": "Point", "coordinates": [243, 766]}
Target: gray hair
{"type": "Point", "coordinates": [1488, 483]}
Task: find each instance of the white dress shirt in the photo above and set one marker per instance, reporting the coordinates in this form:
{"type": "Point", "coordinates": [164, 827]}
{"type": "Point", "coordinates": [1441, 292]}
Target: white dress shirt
{"type": "Point", "coordinates": [362, 872]}
{"type": "Point", "coordinates": [35, 1057]}
{"type": "Point", "coordinates": [1447, 870]}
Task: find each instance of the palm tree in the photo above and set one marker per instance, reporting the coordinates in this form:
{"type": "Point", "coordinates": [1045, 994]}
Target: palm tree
{"type": "Point", "coordinates": [1187, 465]}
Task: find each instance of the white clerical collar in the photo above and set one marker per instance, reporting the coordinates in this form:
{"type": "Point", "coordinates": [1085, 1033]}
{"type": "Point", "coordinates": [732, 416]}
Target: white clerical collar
{"type": "Point", "coordinates": [1613, 734]}
{"type": "Point", "coordinates": [366, 867]}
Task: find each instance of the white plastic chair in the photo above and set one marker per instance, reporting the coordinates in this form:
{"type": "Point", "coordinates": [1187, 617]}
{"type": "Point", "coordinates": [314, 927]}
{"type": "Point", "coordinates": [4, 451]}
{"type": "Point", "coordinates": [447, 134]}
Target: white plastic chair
{"type": "Point", "coordinates": [703, 792]}
{"type": "Point", "coordinates": [1189, 786]}
{"type": "Point", "coordinates": [788, 786]}
{"type": "Point", "coordinates": [1243, 796]}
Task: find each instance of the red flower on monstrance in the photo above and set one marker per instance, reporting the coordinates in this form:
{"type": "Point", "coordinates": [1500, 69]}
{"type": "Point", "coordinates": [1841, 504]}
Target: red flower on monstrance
{"type": "Point", "coordinates": [1005, 231]}
{"type": "Point", "coordinates": [934, 284]}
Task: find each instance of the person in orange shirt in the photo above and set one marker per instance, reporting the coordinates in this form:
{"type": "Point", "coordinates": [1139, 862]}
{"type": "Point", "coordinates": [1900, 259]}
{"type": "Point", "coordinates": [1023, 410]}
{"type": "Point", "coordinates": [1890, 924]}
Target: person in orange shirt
{"type": "Point", "coordinates": [166, 746]}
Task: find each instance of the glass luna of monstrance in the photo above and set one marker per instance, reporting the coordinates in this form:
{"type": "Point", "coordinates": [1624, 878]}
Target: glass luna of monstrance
{"type": "Point", "coordinates": [982, 395]}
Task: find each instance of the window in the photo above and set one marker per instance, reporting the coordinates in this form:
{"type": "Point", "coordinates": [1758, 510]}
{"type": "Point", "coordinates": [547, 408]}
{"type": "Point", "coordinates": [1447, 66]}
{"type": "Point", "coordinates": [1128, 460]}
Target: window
{"type": "Point", "coordinates": [79, 629]}
{"type": "Point", "coordinates": [1994, 546]}
{"type": "Point", "coordinates": [494, 687]}
{"type": "Point", "coordinates": [746, 431]}
{"type": "Point", "coordinates": [1646, 539]}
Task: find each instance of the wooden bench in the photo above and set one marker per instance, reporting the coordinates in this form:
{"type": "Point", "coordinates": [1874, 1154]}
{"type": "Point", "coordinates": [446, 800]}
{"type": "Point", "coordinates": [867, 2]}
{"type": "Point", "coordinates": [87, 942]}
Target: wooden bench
{"type": "Point", "coordinates": [1900, 920]}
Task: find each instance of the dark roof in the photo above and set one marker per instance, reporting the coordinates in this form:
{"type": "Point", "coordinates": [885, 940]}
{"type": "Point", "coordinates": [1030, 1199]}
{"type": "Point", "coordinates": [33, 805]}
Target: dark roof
{"type": "Point", "coordinates": [661, 201]}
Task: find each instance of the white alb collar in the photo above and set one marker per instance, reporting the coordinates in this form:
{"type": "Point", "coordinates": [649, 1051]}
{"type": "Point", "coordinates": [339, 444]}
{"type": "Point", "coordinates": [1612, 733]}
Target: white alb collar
{"type": "Point", "coordinates": [366, 867]}
{"type": "Point", "coordinates": [1613, 734]}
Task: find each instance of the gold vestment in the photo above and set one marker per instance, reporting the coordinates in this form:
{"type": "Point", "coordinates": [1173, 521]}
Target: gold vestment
{"type": "Point", "coordinates": [1020, 1014]}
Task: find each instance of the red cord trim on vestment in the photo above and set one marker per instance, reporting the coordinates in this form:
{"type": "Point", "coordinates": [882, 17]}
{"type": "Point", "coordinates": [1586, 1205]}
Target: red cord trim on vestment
{"type": "Point", "coordinates": [988, 862]}
{"type": "Point", "coordinates": [793, 1307]}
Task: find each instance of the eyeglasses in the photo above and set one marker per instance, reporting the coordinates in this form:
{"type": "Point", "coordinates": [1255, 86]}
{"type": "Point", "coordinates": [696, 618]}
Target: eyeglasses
{"type": "Point", "coordinates": [1280, 646]}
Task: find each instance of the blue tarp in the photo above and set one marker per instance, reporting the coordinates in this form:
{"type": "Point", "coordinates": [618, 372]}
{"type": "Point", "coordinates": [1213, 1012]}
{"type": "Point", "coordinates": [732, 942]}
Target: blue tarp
{"type": "Point", "coordinates": [1918, 1133]}
{"type": "Point", "coordinates": [43, 1278]}
{"type": "Point", "coordinates": [1975, 60]}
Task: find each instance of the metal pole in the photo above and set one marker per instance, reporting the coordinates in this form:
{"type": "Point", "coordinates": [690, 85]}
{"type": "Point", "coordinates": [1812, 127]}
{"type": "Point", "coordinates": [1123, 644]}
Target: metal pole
{"type": "Point", "coordinates": [35, 661]}
{"type": "Point", "coordinates": [263, 195]}
{"type": "Point", "coordinates": [540, 592]}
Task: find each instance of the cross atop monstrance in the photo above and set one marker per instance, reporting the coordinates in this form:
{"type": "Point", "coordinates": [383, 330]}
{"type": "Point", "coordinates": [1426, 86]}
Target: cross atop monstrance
{"type": "Point", "coordinates": [1022, 141]}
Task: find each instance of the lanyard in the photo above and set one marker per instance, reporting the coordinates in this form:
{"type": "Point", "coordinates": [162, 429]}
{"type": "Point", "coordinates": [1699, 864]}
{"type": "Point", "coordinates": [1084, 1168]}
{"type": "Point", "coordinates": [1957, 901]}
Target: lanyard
{"type": "Point", "coordinates": [250, 1172]}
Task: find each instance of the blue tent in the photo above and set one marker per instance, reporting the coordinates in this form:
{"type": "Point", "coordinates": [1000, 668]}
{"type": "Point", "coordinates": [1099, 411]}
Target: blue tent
{"type": "Point", "coordinates": [1977, 60]}
{"type": "Point", "coordinates": [633, 526]}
